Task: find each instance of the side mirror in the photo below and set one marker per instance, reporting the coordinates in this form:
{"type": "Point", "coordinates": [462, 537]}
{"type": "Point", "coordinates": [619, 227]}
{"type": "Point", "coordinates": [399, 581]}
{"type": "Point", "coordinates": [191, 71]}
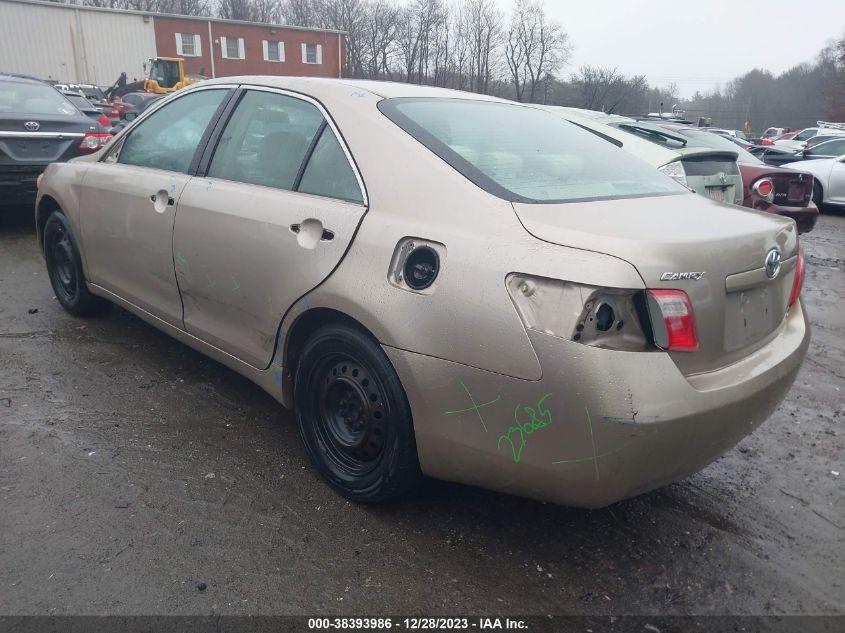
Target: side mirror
{"type": "Point", "coordinates": [130, 116]}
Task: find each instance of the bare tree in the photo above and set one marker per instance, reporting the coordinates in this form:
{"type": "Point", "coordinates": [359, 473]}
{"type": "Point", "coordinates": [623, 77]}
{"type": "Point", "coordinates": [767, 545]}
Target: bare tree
{"type": "Point", "coordinates": [483, 31]}
{"type": "Point", "coordinates": [301, 12]}
{"type": "Point", "coordinates": [235, 9]}
{"type": "Point", "coordinates": [535, 47]}
{"type": "Point", "coordinates": [606, 88]}
{"type": "Point", "coordinates": [378, 37]}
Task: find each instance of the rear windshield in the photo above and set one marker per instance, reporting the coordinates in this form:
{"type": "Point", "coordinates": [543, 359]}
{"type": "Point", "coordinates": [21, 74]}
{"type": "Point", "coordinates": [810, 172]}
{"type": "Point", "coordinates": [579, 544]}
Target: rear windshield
{"type": "Point", "coordinates": [29, 98]}
{"type": "Point", "coordinates": [524, 154]}
{"type": "Point", "coordinates": [697, 138]}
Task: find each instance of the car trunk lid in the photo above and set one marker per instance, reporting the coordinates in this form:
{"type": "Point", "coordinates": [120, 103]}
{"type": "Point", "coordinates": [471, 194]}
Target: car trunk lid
{"type": "Point", "coordinates": [40, 139]}
{"type": "Point", "coordinates": [714, 174]}
{"type": "Point", "coordinates": [737, 307]}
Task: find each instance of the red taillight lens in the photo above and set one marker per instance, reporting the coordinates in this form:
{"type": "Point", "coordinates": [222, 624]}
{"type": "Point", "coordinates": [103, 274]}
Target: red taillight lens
{"type": "Point", "coordinates": [92, 142]}
{"type": "Point", "coordinates": [799, 279]}
{"type": "Point", "coordinates": [675, 309]}
{"type": "Point", "coordinates": [764, 188]}
{"type": "Point", "coordinates": [104, 121]}
{"type": "Point", "coordinates": [766, 141]}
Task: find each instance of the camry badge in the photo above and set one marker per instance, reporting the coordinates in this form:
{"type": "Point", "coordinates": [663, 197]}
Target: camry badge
{"type": "Point", "coordinates": [692, 276]}
{"type": "Point", "coordinates": [772, 263]}
{"type": "Point", "coordinates": [32, 126]}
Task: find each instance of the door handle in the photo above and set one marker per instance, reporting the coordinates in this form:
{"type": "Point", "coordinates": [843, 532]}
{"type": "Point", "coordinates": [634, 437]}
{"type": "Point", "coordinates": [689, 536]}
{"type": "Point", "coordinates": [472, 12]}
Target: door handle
{"type": "Point", "coordinates": [326, 235]}
{"type": "Point", "coordinates": [170, 201]}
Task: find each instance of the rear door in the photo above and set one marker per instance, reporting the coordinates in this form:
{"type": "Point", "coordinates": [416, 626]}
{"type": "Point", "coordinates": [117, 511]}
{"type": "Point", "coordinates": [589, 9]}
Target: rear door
{"type": "Point", "coordinates": [129, 202]}
{"type": "Point", "coordinates": [271, 218]}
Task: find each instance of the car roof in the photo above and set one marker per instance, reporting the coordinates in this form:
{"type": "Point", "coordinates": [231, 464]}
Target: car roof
{"type": "Point", "coordinates": [23, 79]}
{"type": "Point", "coordinates": [322, 86]}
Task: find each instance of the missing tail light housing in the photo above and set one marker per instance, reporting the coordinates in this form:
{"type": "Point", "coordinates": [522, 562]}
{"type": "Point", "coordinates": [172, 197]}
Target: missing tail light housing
{"type": "Point", "coordinates": [611, 318]}
{"type": "Point", "coordinates": [676, 171]}
{"type": "Point", "coordinates": [764, 188]}
{"type": "Point", "coordinates": [672, 320]}
{"type": "Point", "coordinates": [94, 141]}
{"type": "Point", "coordinates": [799, 279]}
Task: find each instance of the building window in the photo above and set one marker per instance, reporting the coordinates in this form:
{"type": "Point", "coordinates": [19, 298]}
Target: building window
{"type": "Point", "coordinates": [274, 51]}
{"type": "Point", "coordinates": [232, 47]}
{"type": "Point", "coordinates": [188, 45]}
{"type": "Point", "coordinates": [312, 54]}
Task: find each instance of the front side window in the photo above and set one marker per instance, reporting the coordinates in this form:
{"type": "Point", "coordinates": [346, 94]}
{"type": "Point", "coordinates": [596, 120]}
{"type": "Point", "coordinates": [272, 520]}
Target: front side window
{"type": "Point", "coordinates": [266, 140]}
{"type": "Point", "coordinates": [169, 137]}
{"type": "Point", "coordinates": [806, 134]}
{"type": "Point", "coordinates": [524, 154]}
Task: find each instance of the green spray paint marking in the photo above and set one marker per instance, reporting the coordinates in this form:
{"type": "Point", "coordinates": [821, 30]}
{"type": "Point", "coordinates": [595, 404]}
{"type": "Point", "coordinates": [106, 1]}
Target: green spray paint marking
{"type": "Point", "coordinates": [475, 407]}
{"type": "Point", "coordinates": [516, 436]}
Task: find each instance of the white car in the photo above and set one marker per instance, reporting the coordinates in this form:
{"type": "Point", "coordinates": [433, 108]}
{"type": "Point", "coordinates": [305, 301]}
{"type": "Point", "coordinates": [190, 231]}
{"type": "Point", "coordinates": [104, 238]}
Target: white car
{"type": "Point", "coordinates": [710, 172]}
{"type": "Point", "coordinates": [829, 174]}
{"type": "Point", "coordinates": [799, 141]}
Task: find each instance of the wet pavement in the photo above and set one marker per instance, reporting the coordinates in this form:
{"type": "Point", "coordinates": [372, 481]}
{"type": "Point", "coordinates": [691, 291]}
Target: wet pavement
{"type": "Point", "coordinates": [133, 470]}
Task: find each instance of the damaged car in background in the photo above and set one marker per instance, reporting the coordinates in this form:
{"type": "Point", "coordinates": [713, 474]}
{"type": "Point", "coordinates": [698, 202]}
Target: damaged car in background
{"type": "Point", "coordinates": [533, 311]}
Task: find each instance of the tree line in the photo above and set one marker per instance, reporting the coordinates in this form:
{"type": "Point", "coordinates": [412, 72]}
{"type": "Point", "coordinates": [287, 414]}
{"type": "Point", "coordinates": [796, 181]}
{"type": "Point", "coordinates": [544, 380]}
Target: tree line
{"type": "Point", "coordinates": [522, 54]}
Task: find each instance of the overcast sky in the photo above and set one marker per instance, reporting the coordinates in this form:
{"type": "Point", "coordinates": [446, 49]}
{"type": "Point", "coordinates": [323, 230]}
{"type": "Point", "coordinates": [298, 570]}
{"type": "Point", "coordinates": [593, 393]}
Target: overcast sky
{"type": "Point", "coordinates": [697, 45]}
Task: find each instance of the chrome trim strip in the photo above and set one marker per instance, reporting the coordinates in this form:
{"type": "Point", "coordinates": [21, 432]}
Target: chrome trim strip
{"type": "Point", "coordinates": [45, 135]}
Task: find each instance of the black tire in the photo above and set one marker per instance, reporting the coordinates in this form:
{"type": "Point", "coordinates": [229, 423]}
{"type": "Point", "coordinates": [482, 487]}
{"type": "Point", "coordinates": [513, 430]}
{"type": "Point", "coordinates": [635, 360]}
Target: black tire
{"type": "Point", "coordinates": [817, 195]}
{"type": "Point", "coordinates": [64, 266]}
{"type": "Point", "coordinates": [354, 417]}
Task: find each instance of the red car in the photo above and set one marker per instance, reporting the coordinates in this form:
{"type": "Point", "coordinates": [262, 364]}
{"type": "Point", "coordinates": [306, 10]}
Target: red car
{"type": "Point", "coordinates": [765, 188]}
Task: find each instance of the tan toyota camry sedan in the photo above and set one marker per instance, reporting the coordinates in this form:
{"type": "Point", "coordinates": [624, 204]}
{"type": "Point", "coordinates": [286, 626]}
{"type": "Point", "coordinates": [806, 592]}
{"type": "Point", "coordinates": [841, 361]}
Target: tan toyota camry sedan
{"type": "Point", "coordinates": [438, 283]}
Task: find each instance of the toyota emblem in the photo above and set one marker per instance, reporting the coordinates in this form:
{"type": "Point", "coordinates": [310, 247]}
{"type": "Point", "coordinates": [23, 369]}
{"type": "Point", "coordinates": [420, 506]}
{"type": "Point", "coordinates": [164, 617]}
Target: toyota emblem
{"type": "Point", "coordinates": [772, 263]}
{"type": "Point", "coordinates": [32, 126]}
{"type": "Point", "coordinates": [723, 177]}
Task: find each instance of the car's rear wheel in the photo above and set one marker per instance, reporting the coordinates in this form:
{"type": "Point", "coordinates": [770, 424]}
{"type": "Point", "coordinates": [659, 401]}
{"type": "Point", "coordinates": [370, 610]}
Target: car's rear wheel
{"type": "Point", "coordinates": [817, 195]}
{"type": "Point", "coordinates": [354, 417]}
{"type": "Point", "coordinates": [64, 266]}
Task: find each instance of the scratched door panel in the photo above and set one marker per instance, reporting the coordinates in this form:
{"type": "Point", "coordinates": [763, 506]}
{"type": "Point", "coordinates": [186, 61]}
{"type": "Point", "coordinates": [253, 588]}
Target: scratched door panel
{"type": "Point", "coordinates": [126, 234]}
{"type": "Point", "coordinates": [240, 266]}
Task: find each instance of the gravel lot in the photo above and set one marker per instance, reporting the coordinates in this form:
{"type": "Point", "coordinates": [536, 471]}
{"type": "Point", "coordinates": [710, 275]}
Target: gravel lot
{"type": "Point", "coordinates": [132, 469]}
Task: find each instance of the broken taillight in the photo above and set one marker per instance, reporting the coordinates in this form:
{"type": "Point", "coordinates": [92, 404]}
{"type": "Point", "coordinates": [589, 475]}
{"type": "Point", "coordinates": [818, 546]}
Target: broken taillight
{"type": "Point", "coordinates": [673, 309]}
{"type": "Point", "coordinates": [799, 279]}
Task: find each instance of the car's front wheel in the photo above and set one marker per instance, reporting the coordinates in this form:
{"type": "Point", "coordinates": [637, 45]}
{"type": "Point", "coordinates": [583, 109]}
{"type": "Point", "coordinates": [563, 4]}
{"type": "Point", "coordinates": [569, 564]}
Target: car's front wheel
{"type": "Point", "coordinates": [354, 417]}
{"type": "Point", "coordinates": [64, 266]}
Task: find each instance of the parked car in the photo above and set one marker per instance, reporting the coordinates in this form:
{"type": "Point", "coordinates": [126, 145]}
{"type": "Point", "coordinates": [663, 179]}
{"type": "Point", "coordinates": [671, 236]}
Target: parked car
{"type": "Point", "coordinates": [734, 134]}
{"type": "Point", "coordinates": [712, 173]}
{"type": "Point", "coordinates": [831, 148]}
{"type": "Point", "coordinates": [618, 318]}
{"type": "Point", "coordinates": [129, 102]}
{"type": "Point", "coordinates": [87, 108]}
{"type": "Point", "coordinates": [131, 115]}
{"type": "Point", "coordinates": [765, 188]}
{"type": "Point", "coordinates": [93, 93]}
{"type": "Point", "coordinates": [800, 140]}
{"type": "Point", "coordinates": [829, 186]}
{"type": "Point", "coordinates": [38, 126]}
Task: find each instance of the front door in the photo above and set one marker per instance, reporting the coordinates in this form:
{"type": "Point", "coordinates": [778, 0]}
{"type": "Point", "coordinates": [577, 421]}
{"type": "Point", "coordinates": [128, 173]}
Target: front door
{"type": "Point", "coordinates": [269, 221]}
{"type": "Point", "coordinates": [837, 181]}
{"type": "Point", "coordinates": [129, 203]}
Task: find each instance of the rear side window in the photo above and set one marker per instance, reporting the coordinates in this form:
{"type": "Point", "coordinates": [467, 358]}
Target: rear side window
{"type": "Point", "coordinates": [328, 172]}
{"type": "Point", "coordinates": [266, 140]}
{"type": "Point", "coordinates": [524, 154]}
{"type": "Point", "coordinates": [169, 137]}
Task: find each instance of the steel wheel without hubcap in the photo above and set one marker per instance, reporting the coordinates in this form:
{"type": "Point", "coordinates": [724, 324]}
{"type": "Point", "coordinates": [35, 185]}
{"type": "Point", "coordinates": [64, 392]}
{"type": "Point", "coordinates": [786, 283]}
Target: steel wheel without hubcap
{"type": "Point", "coordinates": [351, 417]}
{"type": "Point", "coordinates": [62, 267]}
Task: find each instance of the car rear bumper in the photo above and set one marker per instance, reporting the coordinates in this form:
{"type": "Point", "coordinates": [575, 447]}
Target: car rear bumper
{"type": "Point", "coordinates": [805, 217]}
{"type": "Point", "coordinates": [600, 425]}
{"type": "Point", "coordinates": [18, 184]}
